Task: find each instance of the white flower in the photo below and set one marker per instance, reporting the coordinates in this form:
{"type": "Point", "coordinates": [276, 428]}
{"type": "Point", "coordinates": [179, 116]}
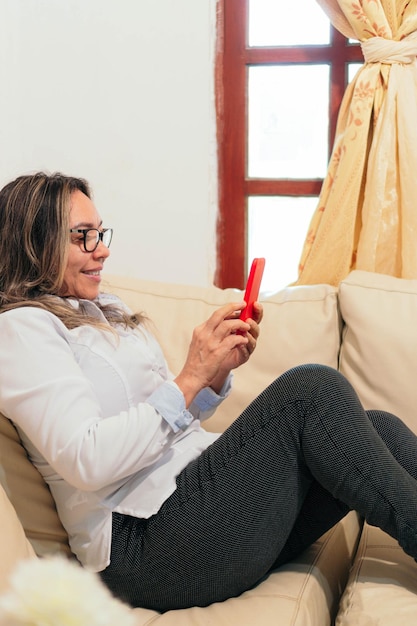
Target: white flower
{"type": "Point", "coordinates": [58, 592]}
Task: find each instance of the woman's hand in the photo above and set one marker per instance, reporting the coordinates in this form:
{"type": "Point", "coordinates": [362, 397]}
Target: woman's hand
{"type": "Point", "coordinates": [242, 352]}
{"type": "Point", "coordinates": [219, 345]}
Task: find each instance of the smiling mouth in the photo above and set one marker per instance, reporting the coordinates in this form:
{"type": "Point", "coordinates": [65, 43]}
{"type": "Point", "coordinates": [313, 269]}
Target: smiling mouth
{"type": "Point", "coordinates": [93, 273]}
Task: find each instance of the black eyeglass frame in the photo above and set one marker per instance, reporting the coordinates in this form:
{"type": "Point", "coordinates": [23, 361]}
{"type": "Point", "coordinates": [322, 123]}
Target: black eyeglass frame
{"type": "Point", "coordinates": [99, 236]}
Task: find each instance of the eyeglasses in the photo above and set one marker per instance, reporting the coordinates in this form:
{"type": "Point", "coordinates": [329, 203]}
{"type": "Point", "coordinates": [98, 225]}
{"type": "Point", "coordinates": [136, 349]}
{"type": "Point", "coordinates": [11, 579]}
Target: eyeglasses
{"type": "Point", "coordinates": [91, 237]}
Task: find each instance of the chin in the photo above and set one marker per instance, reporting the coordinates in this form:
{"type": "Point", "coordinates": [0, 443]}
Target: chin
{"type": "Point", "coordinates": [81, 294]}
{"type": "Point", "coordinates": [90, 295]}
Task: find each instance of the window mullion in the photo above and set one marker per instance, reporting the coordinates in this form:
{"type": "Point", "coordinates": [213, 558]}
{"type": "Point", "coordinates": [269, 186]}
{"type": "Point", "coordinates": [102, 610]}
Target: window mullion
{"type": "Point", "coordinates": [231, 114]}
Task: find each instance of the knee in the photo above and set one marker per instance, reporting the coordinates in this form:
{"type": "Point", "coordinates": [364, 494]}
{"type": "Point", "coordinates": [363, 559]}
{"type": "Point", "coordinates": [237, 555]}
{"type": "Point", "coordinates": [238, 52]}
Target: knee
{"type": "Point", "coordinates": [314, 373]}
{"type": "Point", "coordinates": [313, 379]}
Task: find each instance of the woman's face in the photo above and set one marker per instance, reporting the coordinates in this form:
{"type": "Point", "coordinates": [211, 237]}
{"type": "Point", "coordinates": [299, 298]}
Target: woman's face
{"type": "Point", "coordinates": [82, 276]}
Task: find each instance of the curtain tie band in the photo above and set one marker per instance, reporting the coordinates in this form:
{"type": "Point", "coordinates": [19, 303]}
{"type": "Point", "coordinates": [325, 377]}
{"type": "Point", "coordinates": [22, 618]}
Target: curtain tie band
{"type": "Point", "coordinates": [389, 51]}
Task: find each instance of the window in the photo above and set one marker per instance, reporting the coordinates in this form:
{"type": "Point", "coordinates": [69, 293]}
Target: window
{"type": "Point", "coordinates": [279, 82]}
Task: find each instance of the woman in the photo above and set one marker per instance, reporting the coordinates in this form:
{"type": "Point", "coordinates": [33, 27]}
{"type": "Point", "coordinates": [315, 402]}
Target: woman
{"type": "Point", "coordinates": [170, 515]}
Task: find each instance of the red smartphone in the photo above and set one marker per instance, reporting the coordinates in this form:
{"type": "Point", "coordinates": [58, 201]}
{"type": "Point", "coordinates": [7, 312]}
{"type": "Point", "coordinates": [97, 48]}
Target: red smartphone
{"type": "Point", "coordinates": [252, 287]}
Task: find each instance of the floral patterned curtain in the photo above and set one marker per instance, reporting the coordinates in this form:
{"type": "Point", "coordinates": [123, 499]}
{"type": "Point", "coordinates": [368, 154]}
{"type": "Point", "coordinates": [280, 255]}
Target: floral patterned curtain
{"type": "Point", "coordinates": [366, 217]}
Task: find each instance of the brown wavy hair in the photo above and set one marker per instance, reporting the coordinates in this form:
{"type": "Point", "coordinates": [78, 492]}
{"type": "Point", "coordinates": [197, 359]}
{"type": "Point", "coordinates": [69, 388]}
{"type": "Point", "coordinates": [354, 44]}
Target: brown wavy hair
{"type": "Point", "coordinates": [34, 241]}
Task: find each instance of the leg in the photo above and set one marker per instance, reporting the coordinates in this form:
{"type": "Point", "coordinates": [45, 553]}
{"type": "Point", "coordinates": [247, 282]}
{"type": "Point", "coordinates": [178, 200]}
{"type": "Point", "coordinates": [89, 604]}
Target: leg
{"type": "Point", "coordinates": [372, 472]}
{"type": "Point", "coordinates": [320, 510]}
{"type": "Point", "coordinates": [236, 505]}
{"type": "Point", "coordinates": [399, 439]}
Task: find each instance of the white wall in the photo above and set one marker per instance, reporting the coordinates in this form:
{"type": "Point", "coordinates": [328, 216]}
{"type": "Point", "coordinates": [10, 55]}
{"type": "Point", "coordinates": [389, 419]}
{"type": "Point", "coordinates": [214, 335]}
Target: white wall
{"type": "Point", "coordinates": [122, 93]}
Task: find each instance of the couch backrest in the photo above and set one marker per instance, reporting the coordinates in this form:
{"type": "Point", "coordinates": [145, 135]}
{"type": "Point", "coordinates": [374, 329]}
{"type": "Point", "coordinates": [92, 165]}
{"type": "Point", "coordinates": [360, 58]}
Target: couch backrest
{"type": "Point", "coordinates": [379, 347]}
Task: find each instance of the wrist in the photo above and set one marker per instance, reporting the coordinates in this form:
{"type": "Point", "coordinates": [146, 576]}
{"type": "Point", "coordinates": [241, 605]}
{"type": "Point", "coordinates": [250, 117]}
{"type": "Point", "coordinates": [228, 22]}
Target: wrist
{"type": "Point", "coordinates": [218, 381]}
{"type": "Point", "coordinates": [189, 386]}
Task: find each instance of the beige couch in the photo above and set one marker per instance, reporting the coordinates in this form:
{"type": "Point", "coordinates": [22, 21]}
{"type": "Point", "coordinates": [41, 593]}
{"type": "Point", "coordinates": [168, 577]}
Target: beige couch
{"type": "Point", "coordinates": [355, 574]}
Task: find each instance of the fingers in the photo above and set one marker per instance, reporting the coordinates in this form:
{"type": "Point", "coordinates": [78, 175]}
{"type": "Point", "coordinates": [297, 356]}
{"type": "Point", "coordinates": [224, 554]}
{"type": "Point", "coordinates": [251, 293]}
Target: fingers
{"type": "Point", "coordinates": [224, 331]}
{"type": "Point", "coordinates": [230, 311]}
{"type": "Point", "coordinates": [225, 320]}
{"type": "Point", "coordinates": [219, 333]}
{"type": "Point", "coordinates": [253, 332]}
{"type": "Point", "coordinates": [258, 312]}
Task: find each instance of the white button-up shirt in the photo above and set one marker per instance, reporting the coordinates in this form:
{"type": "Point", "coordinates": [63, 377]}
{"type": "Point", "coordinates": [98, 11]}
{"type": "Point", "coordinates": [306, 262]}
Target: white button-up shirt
{"type": "Point", "coordinates": [101, 419]}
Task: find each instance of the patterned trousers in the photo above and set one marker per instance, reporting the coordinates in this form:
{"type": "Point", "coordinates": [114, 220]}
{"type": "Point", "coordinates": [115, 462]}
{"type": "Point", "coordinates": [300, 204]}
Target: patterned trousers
{"type": "Point", "coordinates": [294, 463]}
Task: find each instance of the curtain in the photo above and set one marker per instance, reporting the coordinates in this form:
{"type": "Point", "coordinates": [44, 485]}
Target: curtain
{"type": "Point", "coordinates": [366, 216]}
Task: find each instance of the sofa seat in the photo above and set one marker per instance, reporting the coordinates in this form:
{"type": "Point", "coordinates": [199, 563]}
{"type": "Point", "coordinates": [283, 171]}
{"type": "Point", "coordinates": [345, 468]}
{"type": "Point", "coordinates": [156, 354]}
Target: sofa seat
{"type": "Point", "coordinates": [382, 585]}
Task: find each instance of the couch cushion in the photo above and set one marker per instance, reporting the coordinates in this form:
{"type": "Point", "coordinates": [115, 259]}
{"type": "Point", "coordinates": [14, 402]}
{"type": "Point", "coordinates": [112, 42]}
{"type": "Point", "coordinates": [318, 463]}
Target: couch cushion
{"type": "Point", "coordinates": [379, 345]}
{"type": "Point", "coordinates": [382, 587]}
{"type": "Point", "coordinates": [300, 325]}
{"type": "Point", "coordinates": [13, 543]}
{"type": "Point", "coordinates": [303, 593]}
{"type": "Point", "coordinates": [29, 495]}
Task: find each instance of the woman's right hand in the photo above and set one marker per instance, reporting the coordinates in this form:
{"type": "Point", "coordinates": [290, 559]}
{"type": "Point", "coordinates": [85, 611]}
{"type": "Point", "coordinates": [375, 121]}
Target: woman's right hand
{"type": "Point", "coordinates": [210, 354]}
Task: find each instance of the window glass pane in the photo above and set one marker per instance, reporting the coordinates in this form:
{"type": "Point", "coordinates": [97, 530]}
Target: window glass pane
{"type": "Point", "coordinates": [274, 23]}
{"type": "Point", "coordinates": [288, 121]}
{"type": "Point", "coordinates": [352, 70]}
{"type": "Point", "coordinates": [277, 228]}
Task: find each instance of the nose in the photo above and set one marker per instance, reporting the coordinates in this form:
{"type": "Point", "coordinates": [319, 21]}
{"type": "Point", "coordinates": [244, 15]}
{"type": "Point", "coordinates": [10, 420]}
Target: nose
{"type": "Point", "coordinates": [101, 252]}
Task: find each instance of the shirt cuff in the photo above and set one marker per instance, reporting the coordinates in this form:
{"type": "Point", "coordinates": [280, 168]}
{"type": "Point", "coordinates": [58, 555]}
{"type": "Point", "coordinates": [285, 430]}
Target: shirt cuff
{"type": "Point", "coordinates": [169, 401]}
{"type": "Point", "coordinates": [208, 399]}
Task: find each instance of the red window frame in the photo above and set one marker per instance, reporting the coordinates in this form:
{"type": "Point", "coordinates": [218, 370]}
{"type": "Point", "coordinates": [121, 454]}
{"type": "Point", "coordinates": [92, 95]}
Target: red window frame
{"type": "Point", "coordinates": [233, 58]}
